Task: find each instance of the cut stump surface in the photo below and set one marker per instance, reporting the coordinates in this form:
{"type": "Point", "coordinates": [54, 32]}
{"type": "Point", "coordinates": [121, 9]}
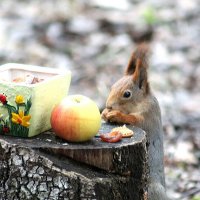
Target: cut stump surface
{"type": "Point", "coordinates": [47, 167]}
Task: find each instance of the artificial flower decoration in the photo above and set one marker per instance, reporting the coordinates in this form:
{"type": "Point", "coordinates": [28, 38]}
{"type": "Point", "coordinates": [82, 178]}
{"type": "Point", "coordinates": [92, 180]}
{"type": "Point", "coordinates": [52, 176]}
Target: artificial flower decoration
{"type": "Point", "coordinates": [21, 118]}
{"type": "Point", "coordinates": [19, 99]}
{"type": "Point", "coordinates": [3, 99]}
{"type": "Point", "coordinates": [6, 129]}
{"type": "Point", "coordinates": [17, 121]}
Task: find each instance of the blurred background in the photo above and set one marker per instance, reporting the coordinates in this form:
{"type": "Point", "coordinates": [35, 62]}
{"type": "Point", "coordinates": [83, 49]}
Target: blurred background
{"type": "Point", "coordinates": [95, 38]}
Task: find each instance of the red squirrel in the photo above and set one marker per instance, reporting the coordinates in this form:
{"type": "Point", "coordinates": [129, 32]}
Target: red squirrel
{"type": "Point", "coordinates": [131, 102]}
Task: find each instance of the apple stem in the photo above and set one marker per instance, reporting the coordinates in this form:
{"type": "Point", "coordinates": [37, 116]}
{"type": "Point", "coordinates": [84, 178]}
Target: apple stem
{"type": "Point", "coordinates": [77, 100]}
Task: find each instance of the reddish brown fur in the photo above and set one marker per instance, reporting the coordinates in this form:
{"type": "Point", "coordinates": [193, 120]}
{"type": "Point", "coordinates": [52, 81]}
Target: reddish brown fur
{"type": "Point", "coordinates": [140, 53]}
{"type": "Point", "coordinates": [117, 116]}
{"type": "Point", "coordinates": [141, 109]}
{"type": "Point", "coordinates": [136, 74]}
{"type": "Point", "coordinates": [118, 108]}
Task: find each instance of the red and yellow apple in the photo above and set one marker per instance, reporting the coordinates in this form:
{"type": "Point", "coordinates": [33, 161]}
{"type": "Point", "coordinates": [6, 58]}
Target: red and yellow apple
{"type": "Point", "coordinates": [76, 118]}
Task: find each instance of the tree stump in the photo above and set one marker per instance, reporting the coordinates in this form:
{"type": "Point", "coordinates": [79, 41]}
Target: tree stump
{"type": "Point", "coordinates": [47, 167]}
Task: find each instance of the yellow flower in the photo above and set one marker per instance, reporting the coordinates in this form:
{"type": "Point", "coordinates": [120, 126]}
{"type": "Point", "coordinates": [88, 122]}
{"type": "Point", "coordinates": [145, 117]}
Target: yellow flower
{"type": "Point", "coordinates": [19, 99]}
{"type": "Point", "coordinates": [21, 118]}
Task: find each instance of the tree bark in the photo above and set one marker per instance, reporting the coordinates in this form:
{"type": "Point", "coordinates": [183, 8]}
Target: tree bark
{"type": "Point", "coordinates": [47, 167]}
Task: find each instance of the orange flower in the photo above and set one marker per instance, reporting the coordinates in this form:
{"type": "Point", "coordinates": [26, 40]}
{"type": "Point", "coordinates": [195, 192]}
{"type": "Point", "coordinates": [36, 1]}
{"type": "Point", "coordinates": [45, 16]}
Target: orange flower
{"type": "Point", "coordinates": [21, 118]}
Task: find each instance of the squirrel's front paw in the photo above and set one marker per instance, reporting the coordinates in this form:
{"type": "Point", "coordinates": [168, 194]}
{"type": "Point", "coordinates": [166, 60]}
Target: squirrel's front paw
{"type": "Point", "coordinates": [114, 116]}
{"type": "Point", "coordinates": [104, 114]}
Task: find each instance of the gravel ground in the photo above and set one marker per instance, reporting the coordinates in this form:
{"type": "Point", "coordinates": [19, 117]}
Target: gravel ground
{"type": "Point", "coordinates": [94, 39]}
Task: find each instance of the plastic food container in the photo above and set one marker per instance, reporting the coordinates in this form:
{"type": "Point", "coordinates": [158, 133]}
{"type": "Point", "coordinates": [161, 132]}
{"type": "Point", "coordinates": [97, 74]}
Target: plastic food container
{"type": "Point", "coordinates": [27, 96]}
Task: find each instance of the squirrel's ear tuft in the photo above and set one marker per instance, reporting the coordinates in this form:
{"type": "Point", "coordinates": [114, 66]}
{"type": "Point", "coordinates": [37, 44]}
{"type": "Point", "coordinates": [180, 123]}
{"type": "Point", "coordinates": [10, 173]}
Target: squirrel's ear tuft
{"type": "Point", "coordinates": [131, 65]}
{"type": "Point", "coordinates": [140, 77]}
{"type": "Point", "coordinates": [137, 73]}
{"type": "Point", "coordinates": [141, 54]}
{"type": "Point", "coordinates": [140, 69]}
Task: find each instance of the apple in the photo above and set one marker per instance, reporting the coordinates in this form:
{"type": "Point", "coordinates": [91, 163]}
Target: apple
{"type": "Point", "coordinates": [76, 118]}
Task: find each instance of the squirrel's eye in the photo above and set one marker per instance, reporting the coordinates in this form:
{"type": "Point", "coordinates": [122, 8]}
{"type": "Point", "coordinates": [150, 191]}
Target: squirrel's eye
{"type": "Point", "coordinates": [127, 94]}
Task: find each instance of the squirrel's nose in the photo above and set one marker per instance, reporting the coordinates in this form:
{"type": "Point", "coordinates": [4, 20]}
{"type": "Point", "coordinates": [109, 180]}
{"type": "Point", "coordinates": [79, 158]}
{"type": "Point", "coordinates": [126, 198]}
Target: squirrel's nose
{"type": "Point", "coordinates": [109, 105]}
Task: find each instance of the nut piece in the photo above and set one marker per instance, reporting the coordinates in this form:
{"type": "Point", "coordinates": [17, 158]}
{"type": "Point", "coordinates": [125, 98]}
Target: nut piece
{"type": "Point", "coordinates": [112, 137]}
{"type": "Point", "coordinates": [28, 79]}
{"type": "Point", "coordinates": [126, 132]}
